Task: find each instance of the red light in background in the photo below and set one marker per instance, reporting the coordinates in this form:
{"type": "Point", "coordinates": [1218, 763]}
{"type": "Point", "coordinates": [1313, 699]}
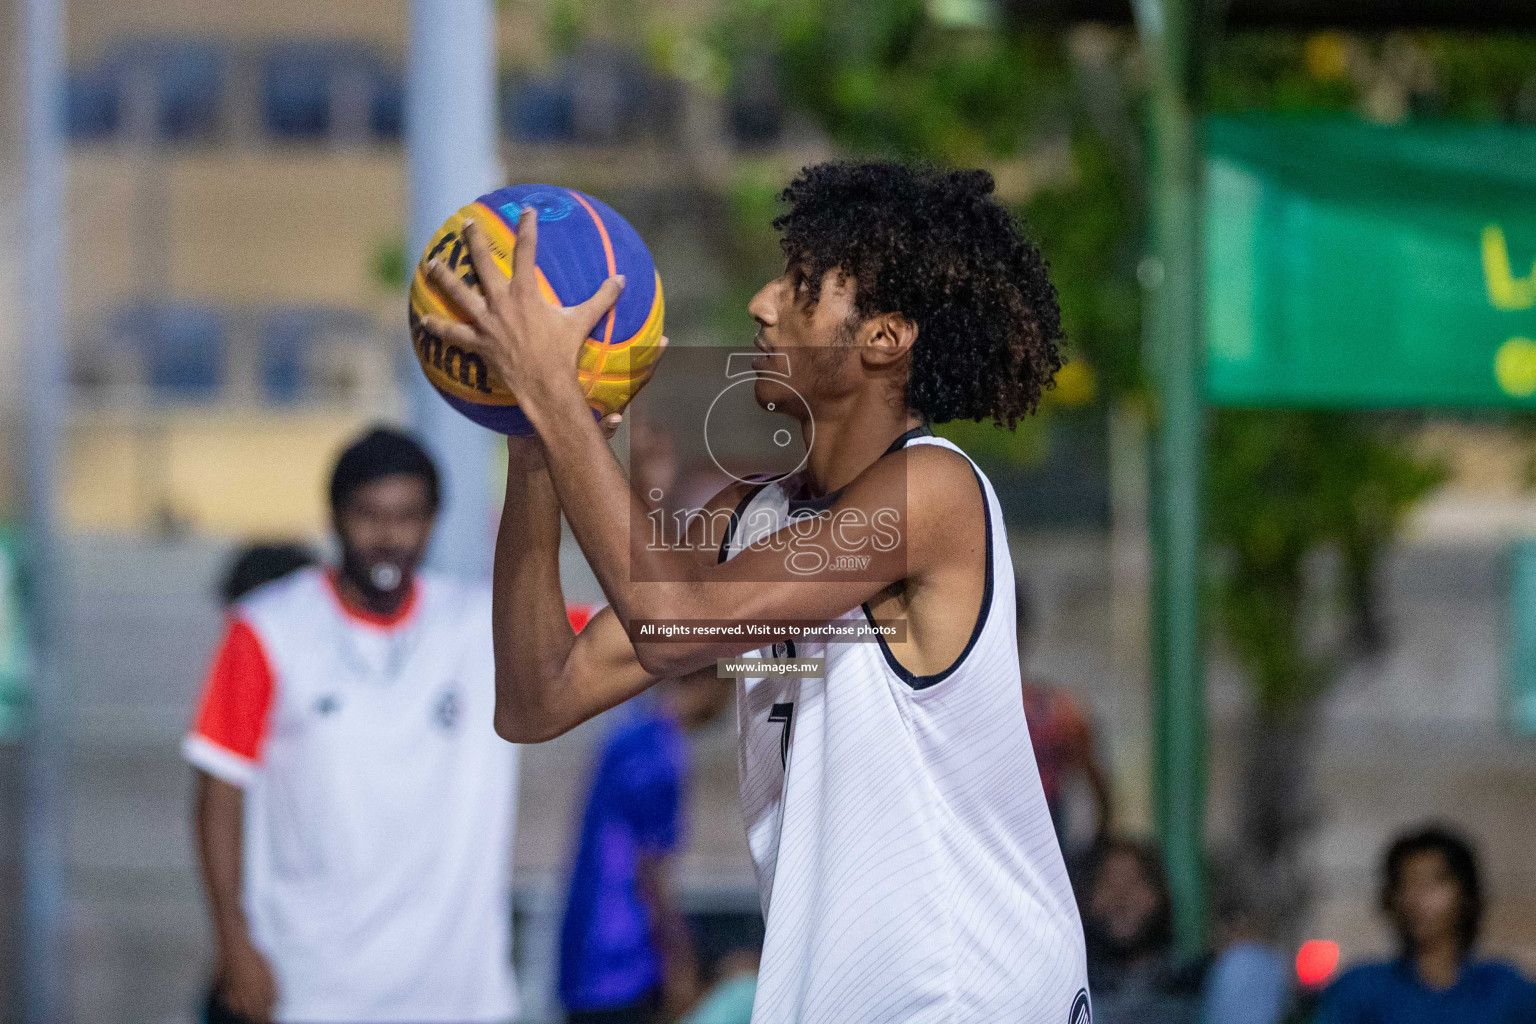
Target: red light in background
{"type": "Point", "coordinates": [1316, 961]}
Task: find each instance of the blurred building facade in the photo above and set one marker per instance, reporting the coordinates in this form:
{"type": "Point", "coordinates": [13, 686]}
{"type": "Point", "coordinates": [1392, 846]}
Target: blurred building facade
{"type": "Point", "coordinates": [236, 193]}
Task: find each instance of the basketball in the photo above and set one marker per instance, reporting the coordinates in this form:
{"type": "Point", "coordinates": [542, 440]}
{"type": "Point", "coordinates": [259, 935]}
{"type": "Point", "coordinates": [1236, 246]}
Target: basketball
{"type": "Point", "coordinates": [582, 243]}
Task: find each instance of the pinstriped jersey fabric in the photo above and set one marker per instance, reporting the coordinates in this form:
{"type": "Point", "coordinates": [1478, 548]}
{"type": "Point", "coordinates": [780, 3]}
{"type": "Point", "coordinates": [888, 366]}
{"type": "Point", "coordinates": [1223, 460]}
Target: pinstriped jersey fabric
{"type": "Point", "coordinates": [905, 857]}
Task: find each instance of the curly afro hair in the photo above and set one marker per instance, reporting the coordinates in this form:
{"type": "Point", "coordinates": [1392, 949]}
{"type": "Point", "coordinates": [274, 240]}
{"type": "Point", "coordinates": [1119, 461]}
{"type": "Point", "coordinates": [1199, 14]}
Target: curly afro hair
{"type": "Point", "coordinates": [936, 247]}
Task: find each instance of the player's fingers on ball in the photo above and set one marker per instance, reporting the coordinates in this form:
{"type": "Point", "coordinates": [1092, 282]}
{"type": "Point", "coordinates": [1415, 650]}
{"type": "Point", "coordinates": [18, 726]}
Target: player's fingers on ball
{"type": "Point", "coordinates": [466, 337]}
{"type": "Point", "coordinates": [594, 309]}
{"type": "Point", "coordinates": [525, 254]}
{"type": "Point", "coordinates": [450, 330]}
{"type": "Point", "coordinates": [492, 280]}
{"type": "Point", "coordinates": [610, 424]}
{"type": "Point", "coordinates": [471, 302]}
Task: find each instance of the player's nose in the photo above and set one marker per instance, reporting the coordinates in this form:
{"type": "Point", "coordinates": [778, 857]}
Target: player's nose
{"type": "Point", "coordinates": [762, 308]}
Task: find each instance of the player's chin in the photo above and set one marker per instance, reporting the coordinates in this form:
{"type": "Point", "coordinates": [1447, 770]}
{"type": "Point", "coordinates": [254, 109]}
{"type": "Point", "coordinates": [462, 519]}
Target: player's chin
{"type": "Point", "coordinates": [776, 395]}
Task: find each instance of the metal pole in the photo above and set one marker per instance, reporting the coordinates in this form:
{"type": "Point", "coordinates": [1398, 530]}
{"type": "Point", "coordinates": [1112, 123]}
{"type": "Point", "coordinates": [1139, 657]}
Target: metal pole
{"type": "Point", "coordinates": [1170, 34]}
{"type": "Point", "coordinates": [450, 138]}
{"type": "Point", "coordinates": [45, 953]}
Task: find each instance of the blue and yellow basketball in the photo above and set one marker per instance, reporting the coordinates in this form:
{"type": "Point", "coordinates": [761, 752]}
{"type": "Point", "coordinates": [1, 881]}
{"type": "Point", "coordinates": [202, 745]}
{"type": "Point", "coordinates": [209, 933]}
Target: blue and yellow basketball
{"type": "Point", "coordinates": [582, 243]}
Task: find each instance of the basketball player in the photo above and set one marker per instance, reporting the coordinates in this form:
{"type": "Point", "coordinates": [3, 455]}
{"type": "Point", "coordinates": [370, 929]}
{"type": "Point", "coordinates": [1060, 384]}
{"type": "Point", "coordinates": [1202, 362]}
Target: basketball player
{"type": "Point", "coordinates": [354, 809]}
{"type": "Point", "coordinates": [905, 873]}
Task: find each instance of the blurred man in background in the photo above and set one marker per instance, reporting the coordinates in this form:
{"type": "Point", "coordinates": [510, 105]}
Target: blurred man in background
{"type": "Point", "coordinates": [1432, 891]}
{"type": "Point", "coordinates": [1063, 741]}
{"type": "Point", "coordinates": [626, 956]}
{"type": "Point", "coordinates": [354, 806]}
{"type": "Point", "coordinates": [1134, 971]}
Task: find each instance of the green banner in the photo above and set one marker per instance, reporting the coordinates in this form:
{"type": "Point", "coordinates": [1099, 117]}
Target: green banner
{"type": "Point", "coordinates": [1359, 265]}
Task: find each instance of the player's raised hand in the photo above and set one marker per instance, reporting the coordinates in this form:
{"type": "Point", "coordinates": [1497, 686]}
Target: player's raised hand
{"type": "Point", "coordinates": [526, 452]}
{"type": "Point", "coordinates": [530, 342]}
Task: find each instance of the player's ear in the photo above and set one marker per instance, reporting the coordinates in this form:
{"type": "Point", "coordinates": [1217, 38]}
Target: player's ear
{"type": "Point", "coordinates": [890, 337]}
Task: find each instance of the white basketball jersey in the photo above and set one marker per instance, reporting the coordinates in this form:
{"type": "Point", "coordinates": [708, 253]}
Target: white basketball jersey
{"type": "Point", "coordinates": [905, 857]}
{"type": "Point", "coordinates": [379, 802]}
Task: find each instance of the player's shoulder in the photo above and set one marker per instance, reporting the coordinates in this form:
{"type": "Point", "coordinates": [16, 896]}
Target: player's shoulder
{"type": "Point", "coordinates": [928, 465]}
{"type": "Point", "coordinates": [934, 482]}
{"type": "Point", "coordinates": [713, 527]}
{"type": "Point", "coordinates": [937, 465]}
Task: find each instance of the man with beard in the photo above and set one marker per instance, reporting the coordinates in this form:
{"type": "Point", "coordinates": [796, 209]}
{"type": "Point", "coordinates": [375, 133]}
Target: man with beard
{"type": "Point", "coordinates": [354, 806]}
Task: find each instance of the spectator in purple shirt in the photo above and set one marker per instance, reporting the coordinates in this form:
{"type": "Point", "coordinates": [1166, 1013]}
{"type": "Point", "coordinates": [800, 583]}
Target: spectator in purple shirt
{"type": "Point", "coordinates": [1432, 892]}
{"type": "Point", "coordinates": [625, 953]}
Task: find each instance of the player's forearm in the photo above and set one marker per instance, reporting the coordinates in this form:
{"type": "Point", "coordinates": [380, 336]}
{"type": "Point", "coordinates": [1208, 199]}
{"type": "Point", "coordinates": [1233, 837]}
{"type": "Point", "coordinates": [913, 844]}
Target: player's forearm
{"type": "Point", "coordinates": [612, 526]}
{"type": "Point", "coordinates": [218, 810]}
{"type": "Point", "coordinates": [603, 511]}
{"type": "Point", "coordinates": [532, 635]}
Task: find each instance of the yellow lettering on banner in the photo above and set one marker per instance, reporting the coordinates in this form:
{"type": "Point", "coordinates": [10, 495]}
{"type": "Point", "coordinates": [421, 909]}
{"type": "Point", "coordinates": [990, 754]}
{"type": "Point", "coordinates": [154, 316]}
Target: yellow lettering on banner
{"type": "Point", "coordinates": [1505, 290]}
{"type": "Point", "coordinates": [1514, 367]}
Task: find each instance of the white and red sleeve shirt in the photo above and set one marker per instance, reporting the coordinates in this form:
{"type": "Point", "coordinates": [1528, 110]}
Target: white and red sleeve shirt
{"type": "Point", "coordinates": [379, 801]}
{"type": "Point", "coordinates": [231, 725]}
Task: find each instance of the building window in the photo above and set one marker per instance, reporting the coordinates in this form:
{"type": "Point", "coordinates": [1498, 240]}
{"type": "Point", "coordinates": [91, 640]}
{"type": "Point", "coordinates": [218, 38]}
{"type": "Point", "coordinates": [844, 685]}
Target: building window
{"type": "Point", "coordinates": [92, 106]}
{"type": "Point", "coordinates": [170, 90]}
{"type": "Point", "coordinates": [330, 90]}
{"type": "Point", "coordinates": [179, 349]}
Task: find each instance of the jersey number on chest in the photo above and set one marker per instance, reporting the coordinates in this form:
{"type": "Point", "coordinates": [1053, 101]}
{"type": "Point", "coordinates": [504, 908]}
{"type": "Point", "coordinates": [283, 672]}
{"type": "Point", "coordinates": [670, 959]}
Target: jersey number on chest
{"type": "Point", "coordinates": [785, 714]}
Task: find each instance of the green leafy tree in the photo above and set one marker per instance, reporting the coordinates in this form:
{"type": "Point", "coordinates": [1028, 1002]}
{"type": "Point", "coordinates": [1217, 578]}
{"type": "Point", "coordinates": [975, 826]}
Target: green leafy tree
{"type": "Point", "coordinates": [1286, 486]}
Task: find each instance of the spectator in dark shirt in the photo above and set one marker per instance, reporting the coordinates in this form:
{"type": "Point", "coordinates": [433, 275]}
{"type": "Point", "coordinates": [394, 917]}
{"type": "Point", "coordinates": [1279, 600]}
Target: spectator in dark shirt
{"type": "Point", "coordinates": [1433, 895]}
{"type": "Point", "coordinates": [1134, 971]}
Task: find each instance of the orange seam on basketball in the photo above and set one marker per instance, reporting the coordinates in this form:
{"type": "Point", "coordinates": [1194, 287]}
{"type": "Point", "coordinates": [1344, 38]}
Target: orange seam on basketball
{"type": "Point", "coordinates": [652, 320]}
{"type": "Point", "coordinates": [613, 268]}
